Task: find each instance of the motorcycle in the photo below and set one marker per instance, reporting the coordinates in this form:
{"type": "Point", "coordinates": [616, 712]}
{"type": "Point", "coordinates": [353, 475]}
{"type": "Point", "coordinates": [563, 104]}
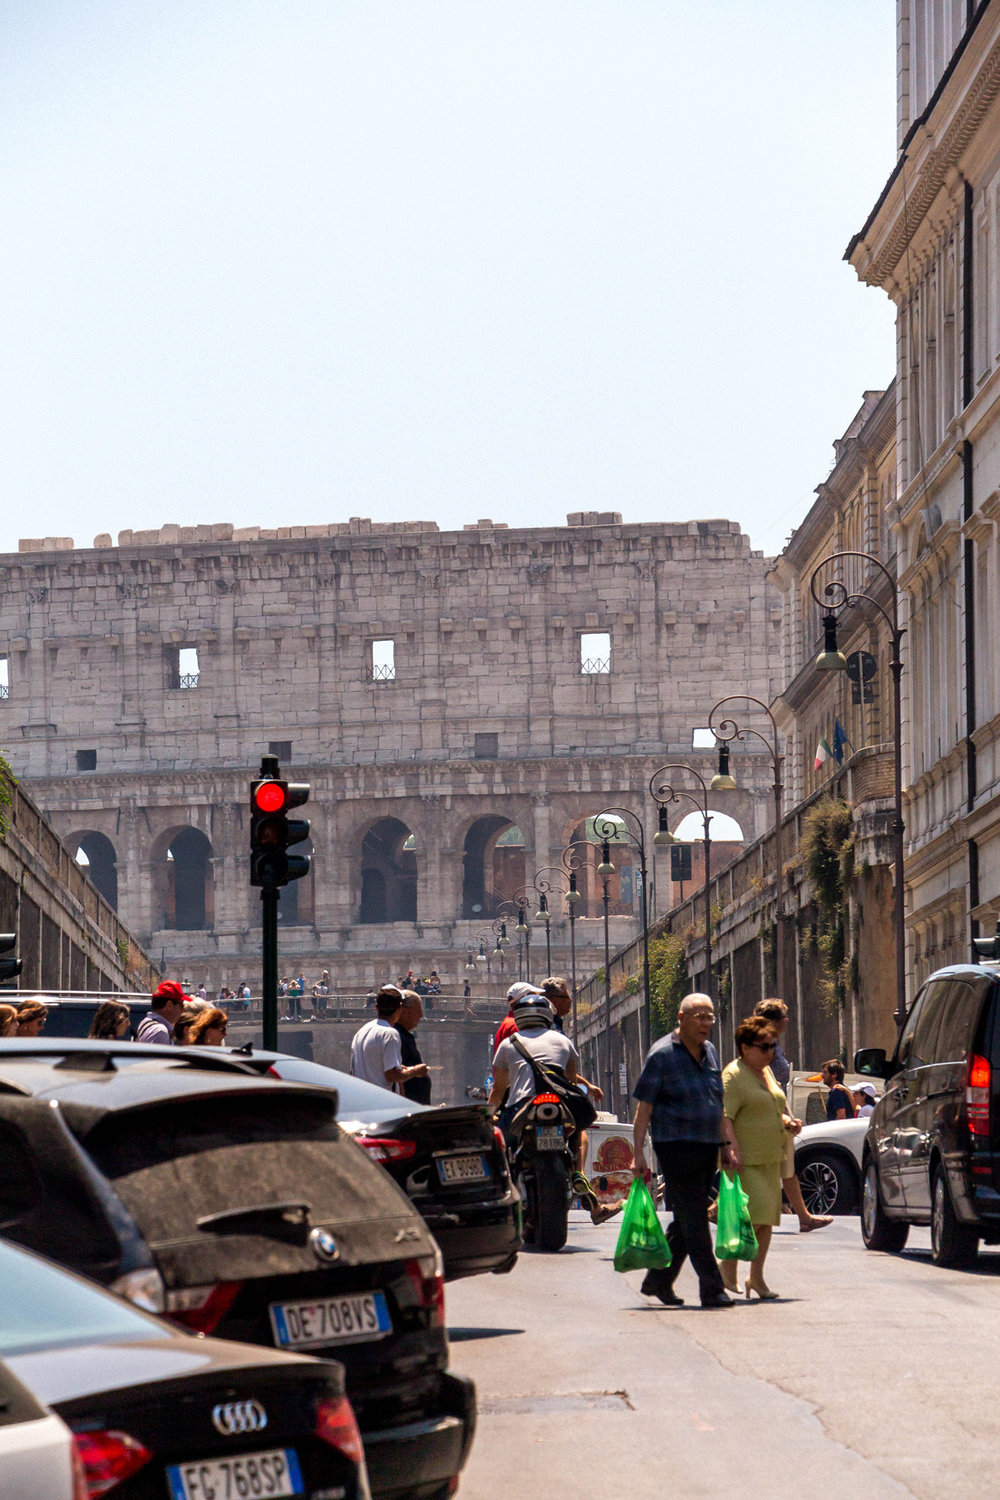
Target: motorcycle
{"type": "Point", "coordinates": [543, 1138]}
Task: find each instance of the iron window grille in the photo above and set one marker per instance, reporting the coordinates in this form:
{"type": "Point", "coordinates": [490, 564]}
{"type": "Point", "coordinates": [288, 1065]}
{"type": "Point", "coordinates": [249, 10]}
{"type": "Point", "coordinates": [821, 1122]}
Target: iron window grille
{"type": "Point", "coordinates": [382, 673]}
{"type": "Point", "coordinates": [595, 666]}
{"type": "Point", "coordinates": [188, 680]}
{"type": "Point", "coordinates": [4, 689]}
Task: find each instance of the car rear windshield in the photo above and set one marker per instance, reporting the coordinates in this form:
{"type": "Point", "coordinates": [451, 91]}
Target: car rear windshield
{"type": "Point", "coordinates": [180, 1163]}
{"type": "Point", "coordinates": [44, 1308]}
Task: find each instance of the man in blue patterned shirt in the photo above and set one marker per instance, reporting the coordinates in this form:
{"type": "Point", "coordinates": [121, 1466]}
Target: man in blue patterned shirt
{"type": "Point", "coordinates": [680, 1106]}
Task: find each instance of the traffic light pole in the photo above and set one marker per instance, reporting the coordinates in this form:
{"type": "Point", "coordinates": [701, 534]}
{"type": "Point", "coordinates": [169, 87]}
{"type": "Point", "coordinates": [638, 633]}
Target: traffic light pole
{"type": "Point", "coordinates": [269, 1007]}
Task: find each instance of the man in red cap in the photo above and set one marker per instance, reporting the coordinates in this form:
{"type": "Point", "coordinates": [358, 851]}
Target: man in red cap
{"type": "Point", "coordinates": [164, 1009]}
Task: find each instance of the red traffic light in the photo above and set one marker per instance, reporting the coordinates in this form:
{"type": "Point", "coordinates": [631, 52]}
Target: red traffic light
{"type": "Point", "coordinates": [270, 796]}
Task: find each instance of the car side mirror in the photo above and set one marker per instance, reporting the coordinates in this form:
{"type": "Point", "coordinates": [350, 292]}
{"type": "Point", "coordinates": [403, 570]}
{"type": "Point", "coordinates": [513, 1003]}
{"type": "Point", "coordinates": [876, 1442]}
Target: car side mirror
{"type": "Point", "coordinates": [871, 1062]}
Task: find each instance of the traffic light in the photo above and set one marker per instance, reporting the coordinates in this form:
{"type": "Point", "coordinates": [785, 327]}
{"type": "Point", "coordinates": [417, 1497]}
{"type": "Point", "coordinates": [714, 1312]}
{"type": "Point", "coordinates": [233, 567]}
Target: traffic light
{"type": "Point", "coordinates": [9, 967]}
{"type": "Point", "coordinates": [272, 831]}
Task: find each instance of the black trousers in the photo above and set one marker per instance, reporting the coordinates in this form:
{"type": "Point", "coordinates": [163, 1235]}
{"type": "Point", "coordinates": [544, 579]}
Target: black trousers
{"type": "Point", "coordinates": [689, 1169]}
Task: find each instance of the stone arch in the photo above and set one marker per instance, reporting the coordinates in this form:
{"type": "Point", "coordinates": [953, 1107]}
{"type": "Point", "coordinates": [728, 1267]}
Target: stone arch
{"type": "Point", "coordinates": [722, 828]}
{"type": "Point", "coordinates": [388, 873]}
{"type": "Point", "coordinates": [183, 880]}
{"type": "Point", "coordinates": [493, 865]}
{"type": "Point", "coordinates": [97, 857]}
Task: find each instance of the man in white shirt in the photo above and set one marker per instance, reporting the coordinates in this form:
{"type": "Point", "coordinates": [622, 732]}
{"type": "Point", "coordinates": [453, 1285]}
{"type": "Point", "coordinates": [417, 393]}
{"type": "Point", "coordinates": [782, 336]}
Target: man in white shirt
{"type": "Point", "coordinates": [376, 1052]}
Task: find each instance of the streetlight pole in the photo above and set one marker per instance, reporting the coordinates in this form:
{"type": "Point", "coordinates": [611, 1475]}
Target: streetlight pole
{"type": "Point", "coordinates": [837, 598]}
{"type": "Point", "coordinates": [605, 870]}
{"type": "Point", "coordinates": [725, 732]}
{"type": "Point", "coordinates": [664, 795]}
{"type": "Point", "coordinates": [520, 904]}
{"type": "Point", "coordinates": [482, 957]}
{"type": "Point", "coordinates": [499, 927]}
{"type": "Point", "coordinates": [604, 823]}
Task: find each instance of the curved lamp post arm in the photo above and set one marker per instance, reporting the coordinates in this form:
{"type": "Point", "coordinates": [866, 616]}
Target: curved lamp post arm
{"type": "Point", "coordinates": [666, 793]}
{"type": "Point", "coordinates": [838, 595]}
{"type": "Point", "coordinates": [728, 729]}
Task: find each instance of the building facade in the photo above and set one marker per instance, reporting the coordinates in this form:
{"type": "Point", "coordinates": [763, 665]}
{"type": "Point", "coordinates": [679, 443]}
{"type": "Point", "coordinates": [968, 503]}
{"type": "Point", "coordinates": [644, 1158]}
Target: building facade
{"type": "Point", "coordinates": [461, 703]}
{"type": "Point", "coordinates": [932, 243]}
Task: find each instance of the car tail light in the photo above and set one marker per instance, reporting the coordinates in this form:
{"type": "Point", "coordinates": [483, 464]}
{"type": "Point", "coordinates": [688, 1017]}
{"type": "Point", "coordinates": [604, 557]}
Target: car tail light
{"type": "Point", "coordinates": [144, 1288]}
{"type": "Point", "coordinates": [384, 1149]}
{"type": "Point", "coordinates": [977, 1096]}
{"type": "Point", "coordinates": [546, 1099]}
{"type": "Point", "coordinates": [202, 1308]}
{"type": "Point", "coordinates": [427, 1275]}
{"type": "Point", "coordinates": [498, 1137]}
{"type": "Point", "coordinates": [80, 1491]}
{"type": "Point", "coordinates": [108, 1459]}
{"type": "Point", "coordinates": [337, 1425]}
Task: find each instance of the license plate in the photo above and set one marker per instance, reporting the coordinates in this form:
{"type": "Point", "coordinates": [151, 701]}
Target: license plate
{"type": "Point", "coordinates": [551, 1139]}
{"type": "Point", "coordinates": [354, 1319]}
{"type": "Point", "coordinates": [463, 1168]}
{"type": "Point", "coordinates": [268, 1474]}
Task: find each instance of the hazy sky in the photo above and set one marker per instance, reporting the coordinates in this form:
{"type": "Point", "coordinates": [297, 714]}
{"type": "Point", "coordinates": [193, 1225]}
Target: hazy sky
{"type": "Point", "coordinates": [285, 263]}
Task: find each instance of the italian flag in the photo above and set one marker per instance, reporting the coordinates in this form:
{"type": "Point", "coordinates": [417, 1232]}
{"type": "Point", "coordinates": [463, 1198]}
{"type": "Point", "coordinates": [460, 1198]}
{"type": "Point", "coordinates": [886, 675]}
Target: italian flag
{"type": "Point", "coordinates": [823, 752]}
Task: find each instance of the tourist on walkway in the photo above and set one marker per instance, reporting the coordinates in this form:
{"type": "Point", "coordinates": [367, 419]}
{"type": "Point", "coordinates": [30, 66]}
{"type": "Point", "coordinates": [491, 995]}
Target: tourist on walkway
{"type": "Point", "coordinates": [680, 1106]}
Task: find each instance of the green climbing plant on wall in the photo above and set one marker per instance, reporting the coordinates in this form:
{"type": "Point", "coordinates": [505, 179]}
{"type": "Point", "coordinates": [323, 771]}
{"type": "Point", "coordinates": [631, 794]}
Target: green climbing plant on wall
{"type": "Point", "coordinates": [668, 982]}
{"type": "Point", "coordinates": [827, 850]}
{"type": "Point", "coordinates": [8, 781]}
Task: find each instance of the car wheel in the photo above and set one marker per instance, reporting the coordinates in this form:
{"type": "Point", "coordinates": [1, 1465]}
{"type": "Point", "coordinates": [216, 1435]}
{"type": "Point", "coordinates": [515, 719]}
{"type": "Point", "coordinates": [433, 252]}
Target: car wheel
{"type": "Point", "coordinates": [952, 1243]}
{"type": "Point", "coordinates": [878, 1231]}
{"type": "Point", "coordinates": [828, 1185]}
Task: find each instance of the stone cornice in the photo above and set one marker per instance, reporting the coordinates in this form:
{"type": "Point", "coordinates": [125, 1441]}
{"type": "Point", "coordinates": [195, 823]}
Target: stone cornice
{"type": "Point", "coordinates": [932, 153]}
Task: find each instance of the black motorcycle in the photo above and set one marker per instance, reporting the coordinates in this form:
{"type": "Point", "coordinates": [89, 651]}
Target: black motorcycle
{"type": "Point", "coordinates": [543, 1138]}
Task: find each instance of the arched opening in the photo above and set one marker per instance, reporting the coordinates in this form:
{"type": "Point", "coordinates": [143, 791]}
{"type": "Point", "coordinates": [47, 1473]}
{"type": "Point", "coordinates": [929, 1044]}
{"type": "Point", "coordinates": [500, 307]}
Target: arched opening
{"type": "Point", "coordinates": [95, 854]}
{"type": "Point", "coordinates": [188, 904]}
{"type": "Point", "coordinates": [687, 853]}
{"type": "Point", "coordinates": [493, 867]}
{"type": "Point", "coordinates": [388, 873]}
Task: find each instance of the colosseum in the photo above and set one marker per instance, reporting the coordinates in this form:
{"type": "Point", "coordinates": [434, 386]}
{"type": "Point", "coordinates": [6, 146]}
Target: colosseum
{"type": "Point", "coordinates": [462, 703]}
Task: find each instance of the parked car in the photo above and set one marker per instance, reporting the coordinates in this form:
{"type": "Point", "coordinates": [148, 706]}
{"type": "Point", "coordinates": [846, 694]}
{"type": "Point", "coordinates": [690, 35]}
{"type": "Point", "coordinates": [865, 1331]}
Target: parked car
{"type": "Point", "coordinates": [151, 1411]}
{"type": "Point", "coordinates": [828, 1165]}
{"type": "Point", "coordinates": [37, 1452]}
{"type": "Point", "coordinates": [932, 1152]}
{"type": "Point", "coordinates": [190, 1184]}
{"type": "Point", "coordinates": [450, 1160]}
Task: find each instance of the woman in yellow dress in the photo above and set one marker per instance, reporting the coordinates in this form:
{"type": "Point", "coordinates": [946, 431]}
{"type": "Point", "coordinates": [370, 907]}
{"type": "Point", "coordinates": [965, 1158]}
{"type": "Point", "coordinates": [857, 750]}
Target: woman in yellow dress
{"type": "Point", "coordinates": [757, 1107]}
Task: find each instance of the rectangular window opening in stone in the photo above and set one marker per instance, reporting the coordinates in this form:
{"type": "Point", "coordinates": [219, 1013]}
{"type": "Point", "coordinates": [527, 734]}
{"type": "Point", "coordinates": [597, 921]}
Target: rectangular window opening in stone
{"type": "Point", "coordinates": [702, 739]}
{"type": "Point", "coordinates": [595, 652]}
{"type": "Point", "coordinates": [487, 746]}
{"type": "Point", "coordinates": [183, 665]}
{"type": "Point", "coordinates": [383, 664]}
{"type": "Point", "coordinates": [4, 676]}
{"type": "Point", "coordinates": [86, 760]}
{"type": "Point", "coordinates": [282, 749]}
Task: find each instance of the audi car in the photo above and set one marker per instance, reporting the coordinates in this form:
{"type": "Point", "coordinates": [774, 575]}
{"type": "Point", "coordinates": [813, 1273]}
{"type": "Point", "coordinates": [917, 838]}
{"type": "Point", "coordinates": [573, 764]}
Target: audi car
{"type": "Point", "coordinates": [234, 1203]}
{"type": "Point", "coordinates": [152, 1412]}
{"type": "Point", "coordinates": [450, 1160]}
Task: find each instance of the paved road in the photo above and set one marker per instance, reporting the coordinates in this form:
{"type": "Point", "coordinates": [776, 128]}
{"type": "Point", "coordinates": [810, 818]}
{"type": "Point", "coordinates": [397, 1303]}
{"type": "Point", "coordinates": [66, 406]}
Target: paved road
{"type": "Point", "coordinates": [874, 1376]}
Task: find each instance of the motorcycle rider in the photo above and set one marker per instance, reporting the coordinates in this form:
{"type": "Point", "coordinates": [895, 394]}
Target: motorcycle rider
{"type": "Point", "coordinates": [535, 1020]}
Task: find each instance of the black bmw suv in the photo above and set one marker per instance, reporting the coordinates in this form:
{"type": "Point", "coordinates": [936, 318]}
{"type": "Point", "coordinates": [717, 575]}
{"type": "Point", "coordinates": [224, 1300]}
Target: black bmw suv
{"type": "Point", "coordinates": [236, 1205]}
{"type": "Point", "coordinates": [932, 1152]}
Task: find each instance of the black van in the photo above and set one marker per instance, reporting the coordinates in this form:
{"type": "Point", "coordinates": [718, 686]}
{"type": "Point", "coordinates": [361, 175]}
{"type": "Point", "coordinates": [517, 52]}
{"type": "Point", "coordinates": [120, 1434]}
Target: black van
{"type": "Point", "coordinates": [932, 1152]}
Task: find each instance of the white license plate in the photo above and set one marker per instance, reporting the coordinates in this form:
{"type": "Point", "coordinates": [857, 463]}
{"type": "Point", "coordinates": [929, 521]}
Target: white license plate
{"type": "Point", "coordinates": [262, 1475]}
{"type": "Point", "coordinates": [463, 1168]}
{"type": "Point", "coordinates": [551, 1139]}
{"type": "Point", "coordinates": [353, 1319]}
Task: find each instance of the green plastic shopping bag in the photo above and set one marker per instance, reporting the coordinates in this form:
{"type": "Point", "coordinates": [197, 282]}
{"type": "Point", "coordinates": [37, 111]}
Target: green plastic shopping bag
{"type": "Point", "coordinates": [734, 1236]}
{"type": "Point", "coordinates": [642, 1245]}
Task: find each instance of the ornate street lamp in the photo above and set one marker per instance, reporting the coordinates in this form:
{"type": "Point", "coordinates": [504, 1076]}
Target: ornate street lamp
{"type": "Point", "coordinates": [482, 957]}
{"type": "Point", "coordinates": [615, 820]}
{"type": "Point", "coordinates": [665, 793]}
{"type": "Point", "coordinates": [521, 906]}
{"type": "Point", "coordinates": [725, 731]}
{"type": "Point", "coordinates": [499, 928]}
{"type": "Point", "coordinates": [837, 597]}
